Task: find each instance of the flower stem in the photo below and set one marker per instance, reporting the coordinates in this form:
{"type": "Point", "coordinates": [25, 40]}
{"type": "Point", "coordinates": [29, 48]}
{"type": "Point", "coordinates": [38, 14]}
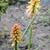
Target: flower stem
{"type": "Point", "coordinates": [16, 46]}
{"type": "Point", "coordinates": [25, 32]}
{"type": "Point", "coordinates": [30, 38]}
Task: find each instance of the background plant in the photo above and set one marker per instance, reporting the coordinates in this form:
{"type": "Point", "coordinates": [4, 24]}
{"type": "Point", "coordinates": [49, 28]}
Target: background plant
{"type": "Point", "coordinates": [3, 6]}
{"type": "Point", "coordinates": [44, 20]}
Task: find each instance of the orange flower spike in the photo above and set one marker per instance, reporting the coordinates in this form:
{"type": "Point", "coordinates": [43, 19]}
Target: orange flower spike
{"type": "Point", "coordinates": [16, 33]}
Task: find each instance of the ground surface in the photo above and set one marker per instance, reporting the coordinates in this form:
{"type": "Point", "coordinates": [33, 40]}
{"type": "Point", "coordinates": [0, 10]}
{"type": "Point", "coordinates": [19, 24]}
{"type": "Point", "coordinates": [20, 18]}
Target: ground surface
{"type": "Point", "coordinates": [41, 33]}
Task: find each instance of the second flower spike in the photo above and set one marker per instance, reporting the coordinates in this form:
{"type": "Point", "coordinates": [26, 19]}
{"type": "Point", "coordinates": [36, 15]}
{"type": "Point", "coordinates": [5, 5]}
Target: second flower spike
{"type": "Point", "coordinates": [33, 7]}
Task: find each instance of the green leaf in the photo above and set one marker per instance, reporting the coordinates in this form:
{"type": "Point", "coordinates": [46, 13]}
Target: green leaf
{"type": "Point", "coordinates": [3, 4]}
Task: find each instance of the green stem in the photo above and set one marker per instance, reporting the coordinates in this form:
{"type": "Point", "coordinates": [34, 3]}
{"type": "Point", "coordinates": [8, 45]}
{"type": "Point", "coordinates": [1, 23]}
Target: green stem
{"type": "Point", "coordinates": [16, 46]}
{"type": "Point", "coordinates": [30, 38]}
{"type": "Point", "coordinates": [0, 18]}
{"type": "Point", "coordinates": [25, 32]}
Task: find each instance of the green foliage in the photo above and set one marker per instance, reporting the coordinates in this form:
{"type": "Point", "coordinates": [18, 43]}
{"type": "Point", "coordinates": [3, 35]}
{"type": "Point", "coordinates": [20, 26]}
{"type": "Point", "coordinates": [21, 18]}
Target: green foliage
{"type": "Point", "coordinates": [3, 6]}
{"type": "Point", "coordinates": [48, 11]}
{"type": "Point", "coordinates": [45, 20]}
{"type": "Point", "coordinates": [12, 2]}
